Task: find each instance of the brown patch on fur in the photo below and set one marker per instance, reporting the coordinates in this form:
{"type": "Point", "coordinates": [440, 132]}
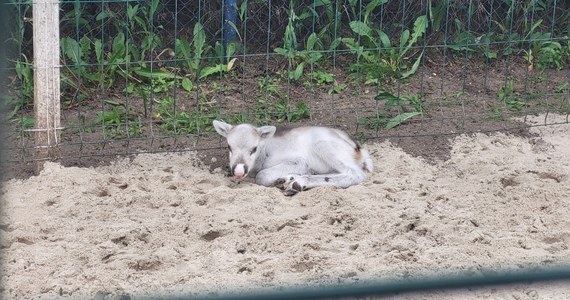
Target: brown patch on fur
{"type": "Point", "coordinates": [357, 152]}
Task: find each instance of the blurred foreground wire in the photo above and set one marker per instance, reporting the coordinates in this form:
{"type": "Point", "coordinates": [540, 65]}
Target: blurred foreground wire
{"type": "Point", "coordinates": [390, 287]}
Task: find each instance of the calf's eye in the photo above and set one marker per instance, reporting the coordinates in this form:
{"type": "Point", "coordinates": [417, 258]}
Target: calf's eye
{"type": "Point", "coordinates": [253, 151]}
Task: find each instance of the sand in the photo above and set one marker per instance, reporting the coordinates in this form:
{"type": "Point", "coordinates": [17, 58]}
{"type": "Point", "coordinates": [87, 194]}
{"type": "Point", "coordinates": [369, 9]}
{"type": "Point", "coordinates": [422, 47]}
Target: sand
{"type": "Point", "coordinates": [164, 224]}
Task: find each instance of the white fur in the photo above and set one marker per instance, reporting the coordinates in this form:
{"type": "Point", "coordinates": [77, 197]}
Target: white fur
{"type": "Point", "coordinates": [296, 159]}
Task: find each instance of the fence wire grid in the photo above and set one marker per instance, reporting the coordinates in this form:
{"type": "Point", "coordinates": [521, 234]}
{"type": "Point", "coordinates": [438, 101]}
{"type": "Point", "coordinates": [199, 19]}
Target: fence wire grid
{"type": "Point", "coordinates": [150, 76]}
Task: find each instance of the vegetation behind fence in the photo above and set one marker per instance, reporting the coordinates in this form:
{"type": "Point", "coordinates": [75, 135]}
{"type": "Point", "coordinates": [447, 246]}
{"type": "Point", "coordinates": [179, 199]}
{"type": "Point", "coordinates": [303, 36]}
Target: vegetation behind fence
{"type": "Point", "coordinates": [136, 72]}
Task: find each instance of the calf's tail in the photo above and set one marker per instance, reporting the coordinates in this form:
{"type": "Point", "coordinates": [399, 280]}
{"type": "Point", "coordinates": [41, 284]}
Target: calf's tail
{"type": "Point", "coordinates": [363, 158]}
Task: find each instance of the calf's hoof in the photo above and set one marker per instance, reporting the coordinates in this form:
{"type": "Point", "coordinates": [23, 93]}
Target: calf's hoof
{"type": "Point", "coordinates": [292, 189]}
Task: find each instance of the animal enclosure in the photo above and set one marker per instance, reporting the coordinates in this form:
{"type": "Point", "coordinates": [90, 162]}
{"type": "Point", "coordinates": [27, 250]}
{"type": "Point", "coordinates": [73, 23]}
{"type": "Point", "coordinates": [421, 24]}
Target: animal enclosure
{"type": "Point", "coordinates": [150, 76]}
{"type": "Point", "coordinates": [464, 107]}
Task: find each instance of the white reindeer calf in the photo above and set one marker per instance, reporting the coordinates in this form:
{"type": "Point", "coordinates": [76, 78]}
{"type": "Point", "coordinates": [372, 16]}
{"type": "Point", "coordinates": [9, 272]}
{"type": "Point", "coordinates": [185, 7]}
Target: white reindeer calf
{"type": "Point", "coordinates": [294, 159]}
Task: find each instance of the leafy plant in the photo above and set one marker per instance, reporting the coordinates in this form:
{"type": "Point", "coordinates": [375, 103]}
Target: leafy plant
{"type": "Point", "coordinates": [240, 118]}
{"type": "Point", "coordinates": [508, 96]}
{"type": "Point", "coordinates": [181, 122]}
{"type": "Point", "coordinates": [380, 120]}
{"type": "Point", "coordinates": [390, 101]}
{"type": "Point", "coordinates": [266, 111]}
{"type": "Point", "coordinates": [321, 78]}
{"type": "Point", "coordinates": [25, 75]}
{"type": "Point", "coordinates": [562, 88]}
{"type": "Point", "coordinates": [297, 59]}
{"type": "Point", "coordinates": [118, 122]}
{"type": "Point", "coordinates": [88, 59]}
{"type": "Point", "coordinates": [190, 54]}
{"type": "Point", "coordinates": [404, 104]}
{"type": "Point", "coordinates": [496, 114]}
{"type": "Point", "coordinates": [269, 85]}
{"type": "Point", "coordinates": [376, 57]}
{"type": "Point", "coordinates": [141, 19]}
{"type": "Point", "coordinates": [543, 52]}
{"type": "Point", "coordinates": [337, 88]}
{"type": "Point", "coordinates": [283, 113]}
{"type": "Point", "coordinates": [24, 123]}
{"type": "Point", "coordinates": [220, 68]}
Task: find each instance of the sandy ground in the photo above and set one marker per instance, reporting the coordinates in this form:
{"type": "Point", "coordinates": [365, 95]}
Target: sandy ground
{"type": "Point", "coordinates": [164, 224]}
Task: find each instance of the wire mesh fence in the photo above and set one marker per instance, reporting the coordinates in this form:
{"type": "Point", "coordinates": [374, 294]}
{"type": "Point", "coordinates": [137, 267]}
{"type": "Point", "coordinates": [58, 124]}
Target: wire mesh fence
{"type": "Point", "coordinates": [148, 76]}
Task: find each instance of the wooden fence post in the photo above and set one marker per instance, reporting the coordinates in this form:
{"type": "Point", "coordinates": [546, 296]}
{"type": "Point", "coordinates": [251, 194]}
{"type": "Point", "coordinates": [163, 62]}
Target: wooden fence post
{"type": "Point", "coordinates": [46, 79]}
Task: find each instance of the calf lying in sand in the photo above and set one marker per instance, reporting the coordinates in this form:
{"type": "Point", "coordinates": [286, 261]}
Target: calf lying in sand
{"type": "Point", "coordinates": [294, 159]}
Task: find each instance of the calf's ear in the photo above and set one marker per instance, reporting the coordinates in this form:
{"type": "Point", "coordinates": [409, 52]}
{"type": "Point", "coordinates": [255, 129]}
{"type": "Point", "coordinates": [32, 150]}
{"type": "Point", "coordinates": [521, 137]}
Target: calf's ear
{"type": "Point", "coordinates": [266, 131]}
{"type": "Point", "coordinates": [222, 128]}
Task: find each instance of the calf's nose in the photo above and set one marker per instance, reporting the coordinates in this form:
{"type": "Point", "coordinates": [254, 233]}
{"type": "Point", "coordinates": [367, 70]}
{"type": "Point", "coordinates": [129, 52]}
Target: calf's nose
{"type": "Point", "coordinates": [239, 170]}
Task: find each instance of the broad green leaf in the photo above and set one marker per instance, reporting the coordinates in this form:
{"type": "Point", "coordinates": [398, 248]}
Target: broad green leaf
{"type": "Point", "coordinates": [101, 16]}
{"type": "Point", "coordinates": [156, 74]}
{"type": "Point", "coordinates": [420, 27]}
{"type": "Point", "coordinates": [311, 41]}
{"type": "Point", "coordinates": [153, 7]}
{"type": "Point", "coordinates": [314, 57]}
{"type": "Point", "coordinates": [282, 51]}
{"type": "Point", "coordinates": [361, 28]}
{"type": "Point", "coordinates": [199, 40]}
{"type": "Point", "coordinates": [371, 6]}
{"type": "Point", "coordinates": [187, 84]}
{"type": "Point", "coordinates": [234, 27]}
{"type": "Point", "coordinates": [533, 28]}
{"type": "Point", "coordinates": [134, 51]}
{"type": "Point", "coordinates": [184, 52]}
{"type": "Point", "coordinates": [401, 118]}
{"type": "Point", "coordinates": [350, 43]}
{"type": "Point", "coordinates": [230, 64]}
{"type": "Point", "coordinates": [99, 51]}
{"type": "Point", "coordinates": [385, 96]}
{"type": "Point", "coordinates": [243, 10]}
{"type": "Point", "coordinates": [207, 71]}
{"type": "Point", "coordinates": [306, 14]}
{"type": "Point", "coordinates": [85, 44]}
{"type": "Point", "coordinates": [404, 38]}
{"type": "Point", "coordinates": [385, 40]}
{"type": "Point", "coordinates": [119, 44]}
{"type": "Point", "coordinates": [290, 41]}
{"type": "Point", "coordinates": [372, 81]}
{"type": "Point", "coordinates": [140, 21]}
{"type": "Point", "coordinates": [230, 49]}
{"type": "Point", "coordinates": [414, 68]}
{"type": "Point", "coordinates": [71, 49]}
{"type": "Point", "coordinates": [354, 46]}
{"type": "Point", "coordinates": [335, 44]}
{"type": "Point", "coordinates": [490, 54]}
{"type": "Point", "coordinates": [298, 71]}
{"type": "Point", "coordinates": [132, 11]}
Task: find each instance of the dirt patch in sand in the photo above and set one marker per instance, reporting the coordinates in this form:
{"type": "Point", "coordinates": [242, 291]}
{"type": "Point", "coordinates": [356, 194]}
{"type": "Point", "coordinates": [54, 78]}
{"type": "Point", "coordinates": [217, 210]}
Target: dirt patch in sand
{"type": "Point", "coordinates": [456, 96]}
{"type": "Point", "coordinates": [163, 223]}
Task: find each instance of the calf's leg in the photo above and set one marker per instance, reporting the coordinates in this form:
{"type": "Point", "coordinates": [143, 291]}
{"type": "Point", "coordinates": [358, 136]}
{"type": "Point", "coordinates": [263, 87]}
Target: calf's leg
{"type": "Point", "coordinates": [273, 175]}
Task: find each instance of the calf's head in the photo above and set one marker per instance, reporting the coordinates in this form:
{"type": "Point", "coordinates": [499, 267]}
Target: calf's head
{"type": "Point", "coordinates": [245, 142]}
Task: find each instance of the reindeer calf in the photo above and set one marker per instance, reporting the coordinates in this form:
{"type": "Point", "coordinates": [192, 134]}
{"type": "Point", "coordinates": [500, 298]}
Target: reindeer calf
{"type": "Point", "coordinates": [294, 159]}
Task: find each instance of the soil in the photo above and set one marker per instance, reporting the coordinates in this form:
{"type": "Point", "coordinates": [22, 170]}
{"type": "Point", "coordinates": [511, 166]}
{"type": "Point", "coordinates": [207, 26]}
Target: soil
{"type": "Point", "coordinates": [458, 96]}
